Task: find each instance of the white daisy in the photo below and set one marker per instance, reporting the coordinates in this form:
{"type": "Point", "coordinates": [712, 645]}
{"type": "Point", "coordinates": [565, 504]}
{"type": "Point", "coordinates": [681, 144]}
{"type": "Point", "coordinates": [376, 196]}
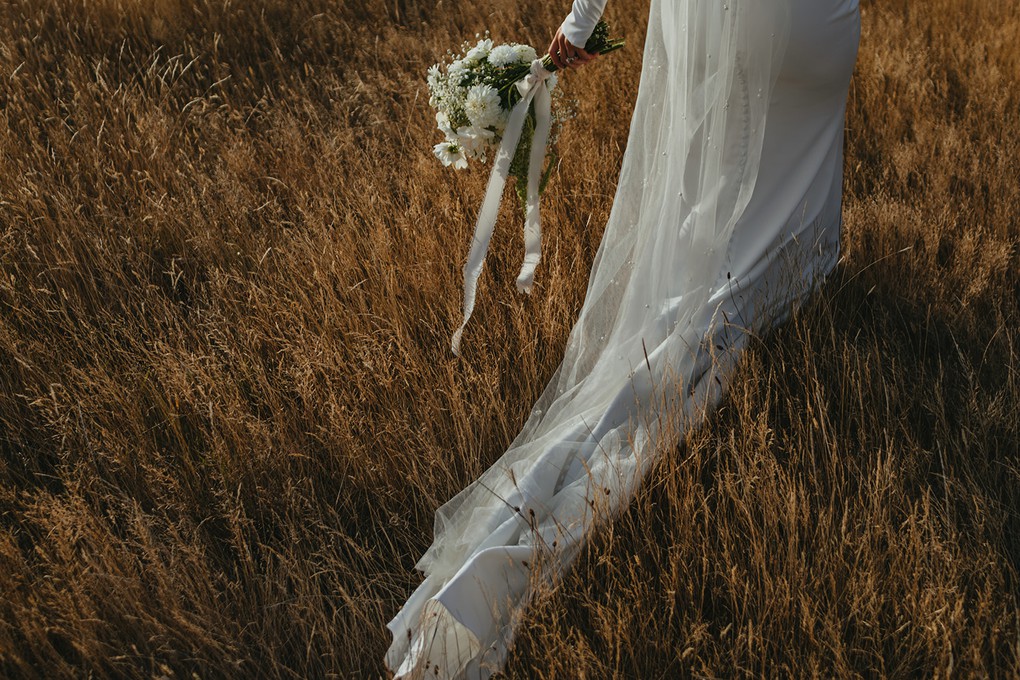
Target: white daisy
{"type": "Point", "coordinates": [503, 55]}
{"type": "Point", "coordinates": [482, 106]}
{"type": "Point", "coordinates": [451, 153]}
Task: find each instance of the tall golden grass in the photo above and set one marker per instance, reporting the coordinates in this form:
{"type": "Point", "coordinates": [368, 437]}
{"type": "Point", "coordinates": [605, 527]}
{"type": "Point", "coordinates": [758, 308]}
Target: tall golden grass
{"type": "Point", "coordinates": [229, 270]}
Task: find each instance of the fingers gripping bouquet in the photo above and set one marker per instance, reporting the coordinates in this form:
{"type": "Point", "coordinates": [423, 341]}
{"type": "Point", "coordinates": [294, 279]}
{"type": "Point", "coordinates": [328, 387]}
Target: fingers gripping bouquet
{"type": "Point", "coordinates": [494, 101]}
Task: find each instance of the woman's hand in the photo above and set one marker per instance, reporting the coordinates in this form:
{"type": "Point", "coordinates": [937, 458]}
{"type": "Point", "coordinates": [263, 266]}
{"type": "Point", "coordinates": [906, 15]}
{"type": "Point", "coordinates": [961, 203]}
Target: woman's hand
{"type": "Point", "coordinates": [565, 55]}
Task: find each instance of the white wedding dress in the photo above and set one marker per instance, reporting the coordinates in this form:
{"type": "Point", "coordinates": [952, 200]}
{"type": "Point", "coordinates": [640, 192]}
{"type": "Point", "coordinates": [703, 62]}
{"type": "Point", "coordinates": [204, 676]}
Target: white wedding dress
{"type": "Point", "coordinates": [727, 213]}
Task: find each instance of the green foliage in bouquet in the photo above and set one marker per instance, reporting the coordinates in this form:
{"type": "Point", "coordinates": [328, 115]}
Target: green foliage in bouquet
{"type": "Point", "coordinates": [600, 43]}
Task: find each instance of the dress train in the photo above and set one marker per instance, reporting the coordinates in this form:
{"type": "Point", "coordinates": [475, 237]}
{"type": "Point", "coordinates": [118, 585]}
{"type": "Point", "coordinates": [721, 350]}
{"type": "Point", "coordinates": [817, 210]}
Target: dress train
{"type": "Point", "coordinates": [727, 213]}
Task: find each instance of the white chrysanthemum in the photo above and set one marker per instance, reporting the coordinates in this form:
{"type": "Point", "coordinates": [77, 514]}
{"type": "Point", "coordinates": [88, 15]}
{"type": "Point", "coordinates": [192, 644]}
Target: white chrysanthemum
{"type": "Point", "coordinates": [479, 51]}
{"type": "Point", "coordinates": [451, 153]}
{"type": "Point", "coordinates": [525, 53]}
{"type": "Point", "coordinates": [476, 141]}
{"type": "Point", "coordinates": [503, 55]}
{"type": "Point", "coordinates": [482, 106]}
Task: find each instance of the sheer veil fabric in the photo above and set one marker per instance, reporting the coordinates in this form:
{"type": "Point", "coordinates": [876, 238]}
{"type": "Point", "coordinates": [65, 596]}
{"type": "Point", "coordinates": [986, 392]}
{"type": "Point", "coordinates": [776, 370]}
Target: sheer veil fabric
{"type": "Point", "coordinates": [715, 231]}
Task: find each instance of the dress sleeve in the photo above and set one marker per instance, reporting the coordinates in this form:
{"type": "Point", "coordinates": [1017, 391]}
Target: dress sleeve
{"type": "Point", "coordinates": [580, 23]}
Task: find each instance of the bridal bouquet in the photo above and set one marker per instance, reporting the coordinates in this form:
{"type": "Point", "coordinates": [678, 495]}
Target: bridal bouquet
{"type": "Point", "coordinates": [476, 91]}
{"type": "Point", "coordinates": [494, 101]}
{"type": "Point", "coordinates": [473, 99]}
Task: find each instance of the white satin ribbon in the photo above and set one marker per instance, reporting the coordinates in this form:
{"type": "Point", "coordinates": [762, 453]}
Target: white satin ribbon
{"type": "Point", "coordinates": [532, 88]}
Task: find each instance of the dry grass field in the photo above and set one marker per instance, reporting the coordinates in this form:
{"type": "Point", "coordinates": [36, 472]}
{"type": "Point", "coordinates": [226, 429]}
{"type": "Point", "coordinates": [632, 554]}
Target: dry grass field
{"type": "Point", "coordinates": [229, 271]}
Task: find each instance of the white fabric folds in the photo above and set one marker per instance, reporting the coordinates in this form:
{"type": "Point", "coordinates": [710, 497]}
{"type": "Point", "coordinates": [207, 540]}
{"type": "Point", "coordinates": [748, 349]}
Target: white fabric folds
{"type": "Point", "coordinates": [533, 89]}
{"type": "Point", "coordinates": [692, 258]}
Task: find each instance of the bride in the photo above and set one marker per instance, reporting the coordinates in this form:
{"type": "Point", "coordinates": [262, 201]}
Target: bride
{"type": "Point", "coordinates": [727, 214]}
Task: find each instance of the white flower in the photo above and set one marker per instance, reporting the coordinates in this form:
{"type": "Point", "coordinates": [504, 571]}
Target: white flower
{"type": "Point", "coordinates": [434, 76]}
{"type": "Point", "coordinates": [525, 53]}
{"type": "Point", "coordinates": [457, 70]}
{"type": "Point", "coordinates": [451, 153]}
{"type": "Point", "coordinates": [443, 122]}
{"type": "Point", "coordinates": [482, 106]}
{"type": "Point", "coordinates": [479, 51]}
{"type": "Point", "coordinates": [503, 55]}
{"type": "Point", "coordinates": [475, 141]}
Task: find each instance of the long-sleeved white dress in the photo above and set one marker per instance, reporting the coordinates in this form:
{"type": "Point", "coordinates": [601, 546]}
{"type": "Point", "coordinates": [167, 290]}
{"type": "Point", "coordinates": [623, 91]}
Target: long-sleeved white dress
{"type": "Point", "coordinates": [727, 214]}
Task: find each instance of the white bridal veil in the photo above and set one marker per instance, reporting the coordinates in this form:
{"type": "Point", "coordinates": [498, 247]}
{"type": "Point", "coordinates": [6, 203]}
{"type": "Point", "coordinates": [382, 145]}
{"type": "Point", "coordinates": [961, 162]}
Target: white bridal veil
{"type": "Point", "coordinates": [648, 354]}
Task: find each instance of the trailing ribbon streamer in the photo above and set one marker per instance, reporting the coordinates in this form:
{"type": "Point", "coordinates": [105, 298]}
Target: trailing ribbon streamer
{"type": "Point", "coordinates": [532, 88]}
